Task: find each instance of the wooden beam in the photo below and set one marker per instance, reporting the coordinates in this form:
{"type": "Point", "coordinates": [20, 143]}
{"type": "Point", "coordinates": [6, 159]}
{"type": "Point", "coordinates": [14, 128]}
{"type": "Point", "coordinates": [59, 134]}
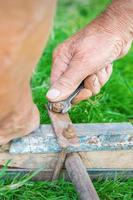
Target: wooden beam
{"type": "Point", "coordinates": [93, 173]}
{"type": "Point", "coordinates": [94, 159]}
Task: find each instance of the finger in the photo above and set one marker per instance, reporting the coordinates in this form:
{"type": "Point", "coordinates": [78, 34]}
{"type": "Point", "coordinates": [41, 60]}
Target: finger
{"type": "Point", "coordinates": [61, 59]}
{"type": "Point", "coordinates": [104, 74]}
{"type": "Point", "coordinates": [83, 95]}
{"type": "Point", "coordinates": [109, 70]}
{"type": "Point", "coordinates": [58, 68]}
{"type": "Point", "coordinates": [68, 82]}
{"type": "Point", "coordinates": [92, 83]}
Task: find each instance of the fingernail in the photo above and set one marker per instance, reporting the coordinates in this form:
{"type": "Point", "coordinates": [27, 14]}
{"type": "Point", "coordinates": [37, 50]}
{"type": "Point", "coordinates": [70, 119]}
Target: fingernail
{"type": "Point", "coordinates": [109, 69]}
{"type": "Point", "coordinates": [103, 71]}
{"type": "Point", "coordinates": [53, 94]}
{"type": "Point", "coordinates": [95, 83]}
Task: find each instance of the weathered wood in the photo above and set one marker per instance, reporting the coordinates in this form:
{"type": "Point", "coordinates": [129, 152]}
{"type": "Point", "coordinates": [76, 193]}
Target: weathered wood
{"type": "Point", "coordinates": [93, 173]}
{"type": "Point", "coordinates": [59, 165]}
{"type": "Point", "coordinates": [78, 175]}
{"type": "Point", "coordinates": [5, 147]}
{"type": "Point", "coordinates": [99, 137]}
{"type": "Point", "coordinates": [94, 159]}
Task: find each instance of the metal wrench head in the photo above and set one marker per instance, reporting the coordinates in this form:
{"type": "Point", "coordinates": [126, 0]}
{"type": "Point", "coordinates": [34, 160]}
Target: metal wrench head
{"type": "Point", "coordinates": [65, 105]}
{"type": "Point", "coordinates": [59, 107]}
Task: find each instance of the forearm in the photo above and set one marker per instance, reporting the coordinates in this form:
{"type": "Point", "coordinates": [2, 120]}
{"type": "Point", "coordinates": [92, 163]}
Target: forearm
{"type": "Point", "coordinates": [118, 17]}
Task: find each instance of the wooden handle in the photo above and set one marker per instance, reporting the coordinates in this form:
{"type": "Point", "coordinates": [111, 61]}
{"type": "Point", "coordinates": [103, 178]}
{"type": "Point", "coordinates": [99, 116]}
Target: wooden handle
{"type": "Point", "coordinates": [78, 175]}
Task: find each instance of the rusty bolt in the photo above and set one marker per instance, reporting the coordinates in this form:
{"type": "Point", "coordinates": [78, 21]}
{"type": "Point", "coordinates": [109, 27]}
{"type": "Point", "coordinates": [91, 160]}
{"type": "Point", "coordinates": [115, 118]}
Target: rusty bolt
{"type": "Point", "coordinates": [69, 132]}
{"type": "Point", "coordinates": [57, 107]}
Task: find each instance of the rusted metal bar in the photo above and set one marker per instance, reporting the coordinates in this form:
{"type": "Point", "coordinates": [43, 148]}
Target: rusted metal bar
{"type": "Point", "coordinates": [64, 130]}
{"type": "Point", "coordinates": [66, 137]}
{"type": "Point", "coordinates": [91, 137]}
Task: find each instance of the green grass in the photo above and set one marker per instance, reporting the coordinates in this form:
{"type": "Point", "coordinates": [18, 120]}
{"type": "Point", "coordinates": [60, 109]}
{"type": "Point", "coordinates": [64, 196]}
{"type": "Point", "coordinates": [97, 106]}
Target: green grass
{"type": "Point", "coordinates": [117, 189]}
{"type": "Point", "coordinates": [113, 104]}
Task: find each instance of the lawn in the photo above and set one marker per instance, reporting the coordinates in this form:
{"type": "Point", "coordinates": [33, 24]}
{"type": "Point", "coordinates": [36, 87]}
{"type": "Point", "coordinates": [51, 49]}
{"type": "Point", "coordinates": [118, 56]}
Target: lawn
{"type": "Point", "coordinates": [113, 104]}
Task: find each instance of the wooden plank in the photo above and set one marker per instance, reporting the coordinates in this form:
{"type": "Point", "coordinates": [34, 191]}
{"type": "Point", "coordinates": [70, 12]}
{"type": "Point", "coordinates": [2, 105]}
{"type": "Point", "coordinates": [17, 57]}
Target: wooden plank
{"type": "Point", "coordinates": [59, 165]}
{"type": "Point", "coordinates": [93, 173]}
{"type": "Point", "coordinates": [94, 159]}
{"type": "Point", "coordinates": [92, 137]}
{"type": "Point", "coordinates": [78, 175]}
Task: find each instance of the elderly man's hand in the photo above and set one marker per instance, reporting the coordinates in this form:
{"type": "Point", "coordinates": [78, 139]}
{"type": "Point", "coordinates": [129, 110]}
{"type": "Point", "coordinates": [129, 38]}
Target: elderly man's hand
{"type": "Point", "coordinates": [88, 55]}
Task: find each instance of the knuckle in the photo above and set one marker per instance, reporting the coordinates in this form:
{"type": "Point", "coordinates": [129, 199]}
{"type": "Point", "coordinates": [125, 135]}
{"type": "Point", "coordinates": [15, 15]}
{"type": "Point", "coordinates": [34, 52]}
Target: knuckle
{"type": "Point", "coordinates": [62, 52]}
{"type": "Point", "coordinates": [121, 47]}
{"type": "Point", "coordinates": [125, 48]}
{"type": "Point", "coordinates": [118, 46]}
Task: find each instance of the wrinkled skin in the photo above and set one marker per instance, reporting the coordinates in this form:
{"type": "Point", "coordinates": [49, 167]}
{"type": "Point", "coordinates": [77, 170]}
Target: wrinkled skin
{"type": "Point", "coordinates": [87, 56]}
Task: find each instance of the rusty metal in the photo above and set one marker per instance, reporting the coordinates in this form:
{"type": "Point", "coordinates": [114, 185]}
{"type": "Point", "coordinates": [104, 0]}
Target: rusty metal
{"type": "Point", "coordinates": [66, 136]}
{"type": "Point", "coordinates": [69, 132]}
{"type": "Point", "coordinates": [65, 105]}
{"type": "Point", "coordinates": [64, 130]}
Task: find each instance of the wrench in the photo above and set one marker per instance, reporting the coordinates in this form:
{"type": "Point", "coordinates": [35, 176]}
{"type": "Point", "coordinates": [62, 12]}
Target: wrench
{"type": "Point", "coordinates": [64, 105]}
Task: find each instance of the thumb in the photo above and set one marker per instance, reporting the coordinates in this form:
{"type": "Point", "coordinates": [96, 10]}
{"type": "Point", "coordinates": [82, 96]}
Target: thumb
{"type": "Point", "coordinates": [68, 82]}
